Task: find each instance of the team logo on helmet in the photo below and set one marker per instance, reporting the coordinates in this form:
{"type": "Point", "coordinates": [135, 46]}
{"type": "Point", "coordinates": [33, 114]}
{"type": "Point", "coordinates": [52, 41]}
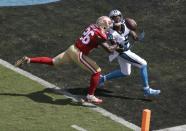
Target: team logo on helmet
{"type": "Point", "coordinates": [115, 13]}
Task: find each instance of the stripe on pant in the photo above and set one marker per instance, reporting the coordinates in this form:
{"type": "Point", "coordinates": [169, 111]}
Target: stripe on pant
{"type": "Point", "coordinates": [86, 63]}
{"type": "Point", "coordinates": [128, 58]}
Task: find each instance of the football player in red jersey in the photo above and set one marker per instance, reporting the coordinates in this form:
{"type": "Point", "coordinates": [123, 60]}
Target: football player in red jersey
{"type": "Point", "coordinates": [93, 36]}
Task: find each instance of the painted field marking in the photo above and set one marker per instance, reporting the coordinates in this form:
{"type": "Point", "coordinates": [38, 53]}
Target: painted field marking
{"type": "Point", "coordinates": [24, 2]}
{"type": "Point", "coordinates": [176, 128]}
{"type": "Point", "coordinates": [145, 125]}
{"type": "Point", "coordinates": [78, 128]}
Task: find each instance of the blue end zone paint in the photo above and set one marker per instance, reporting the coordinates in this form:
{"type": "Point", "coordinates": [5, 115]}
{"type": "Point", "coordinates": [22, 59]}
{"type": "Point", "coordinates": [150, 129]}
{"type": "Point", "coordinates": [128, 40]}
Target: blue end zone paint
{"type": "Point", "coordinates": [24, 2]}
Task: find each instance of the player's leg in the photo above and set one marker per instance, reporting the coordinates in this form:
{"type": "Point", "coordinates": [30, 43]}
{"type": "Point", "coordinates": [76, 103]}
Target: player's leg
{"type": "Point", "coordinates": [89, 65]}
{"type": "Point", "coordinates": [147, 90]}
{"type": "Point", "coordinates": [62, 58]}
{"type": "Point", "coordinates": [59, 59]}
{"type": "Point", "coordinates": [40, 60]}
{"type": "Point", "coordinates": [125, 70]}
{"type": "Point", "coordinates": [137, 61]}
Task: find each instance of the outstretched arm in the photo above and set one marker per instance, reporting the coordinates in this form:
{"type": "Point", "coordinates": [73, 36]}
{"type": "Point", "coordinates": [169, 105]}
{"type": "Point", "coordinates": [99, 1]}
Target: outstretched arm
{"type": "Point", "coordinates": [112, 48]}
{"type": "Point", "coordinates": [134, 35]}
{"type": "Point", "coordinates": [139, 37]}
{"type": "Point", "coordinates": [109, 48]}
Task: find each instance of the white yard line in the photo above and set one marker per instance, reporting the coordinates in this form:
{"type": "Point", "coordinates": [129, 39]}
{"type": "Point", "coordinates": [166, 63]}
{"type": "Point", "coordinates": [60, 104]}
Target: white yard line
{"type": "Point", "coordinates": [68, 95]}
{"type": "Point", "coordinates": [176, 128]}
{"type": "Point", "coordinates": [78, 128]}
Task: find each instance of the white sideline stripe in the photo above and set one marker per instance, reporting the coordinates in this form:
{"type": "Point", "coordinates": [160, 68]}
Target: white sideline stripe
{"type": "Point", "coordinates": [78, 128]}
{"type": "Point", "coordinates": [176, 128]}
{"type": "Point", "coordinates": [69, 95]}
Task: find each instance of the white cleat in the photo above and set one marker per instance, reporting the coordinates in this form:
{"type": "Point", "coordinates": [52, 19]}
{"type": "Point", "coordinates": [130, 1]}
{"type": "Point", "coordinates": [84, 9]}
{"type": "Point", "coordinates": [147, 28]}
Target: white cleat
{"type": "Point", "coordinates": [151, 92]}
{"type": "Point", "coordinates": [93, 99]}
{"type": "Point", "coordinates": [21, 61]}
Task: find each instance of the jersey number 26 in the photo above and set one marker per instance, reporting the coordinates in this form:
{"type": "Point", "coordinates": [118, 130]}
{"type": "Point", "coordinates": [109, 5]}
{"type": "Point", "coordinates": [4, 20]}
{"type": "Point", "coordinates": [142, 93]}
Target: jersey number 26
{"type": "Point", "coordinates": [86, 35]}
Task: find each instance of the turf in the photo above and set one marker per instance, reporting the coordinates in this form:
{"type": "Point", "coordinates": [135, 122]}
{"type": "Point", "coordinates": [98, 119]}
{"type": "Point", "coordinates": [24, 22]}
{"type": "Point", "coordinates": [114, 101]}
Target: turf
{"type": "Point", "coordinates": [26, 105]}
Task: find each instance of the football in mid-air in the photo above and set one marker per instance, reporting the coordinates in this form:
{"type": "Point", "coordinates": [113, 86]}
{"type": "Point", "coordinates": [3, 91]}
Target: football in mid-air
{"type": "Point", "coordinates": [131, 23]}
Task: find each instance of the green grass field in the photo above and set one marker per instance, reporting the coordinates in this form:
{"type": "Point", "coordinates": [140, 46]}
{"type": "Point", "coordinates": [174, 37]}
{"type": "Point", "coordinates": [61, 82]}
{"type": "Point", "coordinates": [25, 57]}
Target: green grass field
{"type": "Point", "coordinates": [26, 105]}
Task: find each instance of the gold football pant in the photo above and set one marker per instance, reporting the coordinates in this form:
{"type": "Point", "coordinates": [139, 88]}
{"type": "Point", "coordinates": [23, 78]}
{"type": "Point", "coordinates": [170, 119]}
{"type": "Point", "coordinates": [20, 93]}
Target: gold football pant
{"type": "Point", "coordinates": [73, 54]}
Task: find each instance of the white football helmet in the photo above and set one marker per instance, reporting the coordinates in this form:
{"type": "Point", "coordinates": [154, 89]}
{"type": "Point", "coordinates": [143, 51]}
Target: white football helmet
{"type": "Point", "coordinates": [116, 20]}
{"type": "Point", "coordinates": [104, 22]}
{"type": "Point", "coordinates": [115, 13]}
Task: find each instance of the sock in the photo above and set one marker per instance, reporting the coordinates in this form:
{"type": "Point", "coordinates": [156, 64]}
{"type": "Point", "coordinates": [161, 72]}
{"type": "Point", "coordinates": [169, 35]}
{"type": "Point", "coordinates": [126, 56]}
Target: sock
{"type": "Point", "coordinates": [114, 74]}
{"type": "Point", "coordinates": [42, 60]}
{"type": "Point", "coordinates": [94, 83]}
{"type": "Point", "coordinates": [144, 76]}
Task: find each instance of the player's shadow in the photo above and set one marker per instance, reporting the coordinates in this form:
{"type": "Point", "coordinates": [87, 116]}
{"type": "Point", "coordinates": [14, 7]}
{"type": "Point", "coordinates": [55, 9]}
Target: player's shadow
{"type": "Point", "coordinates": [42, 97]}
{"type": "Point", "coordinates": [105, 93]}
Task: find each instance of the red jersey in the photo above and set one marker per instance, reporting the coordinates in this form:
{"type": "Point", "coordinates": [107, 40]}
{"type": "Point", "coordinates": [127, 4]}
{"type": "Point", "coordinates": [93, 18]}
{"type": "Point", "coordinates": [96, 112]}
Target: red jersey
{"type": "Point", "coordinates": [90, 39]}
